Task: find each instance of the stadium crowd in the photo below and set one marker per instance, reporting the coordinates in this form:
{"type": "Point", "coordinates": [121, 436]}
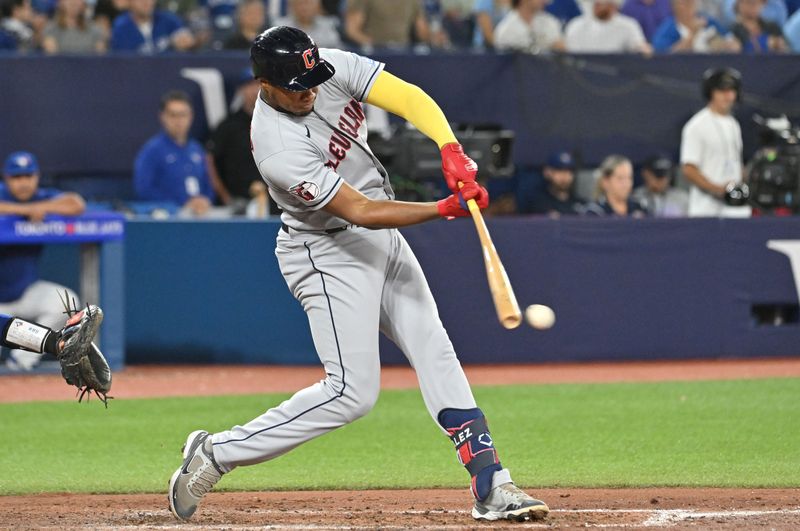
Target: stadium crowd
{"type": "Point", "coordinates": [220, 176]}
{"type": "Point", "coordinates": [529, 26]}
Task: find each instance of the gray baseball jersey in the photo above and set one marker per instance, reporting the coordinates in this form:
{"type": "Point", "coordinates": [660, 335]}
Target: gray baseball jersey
{"type": "Point", "coordinates": [304, 159]}
{"type": "Point", "coordinates": [352, 284]}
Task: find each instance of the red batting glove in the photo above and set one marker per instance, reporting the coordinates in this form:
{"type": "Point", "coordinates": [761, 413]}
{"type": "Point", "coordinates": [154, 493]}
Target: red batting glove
{"type": "Point", "coordinates": [455, 206]}
{"type": "Point", "coordinates": [457, 166]}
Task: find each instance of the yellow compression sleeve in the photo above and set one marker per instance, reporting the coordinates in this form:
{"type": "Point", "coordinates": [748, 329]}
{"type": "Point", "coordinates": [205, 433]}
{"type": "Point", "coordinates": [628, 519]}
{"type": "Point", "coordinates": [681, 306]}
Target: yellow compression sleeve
{"type": "Point", "coordinates": [411, 103]}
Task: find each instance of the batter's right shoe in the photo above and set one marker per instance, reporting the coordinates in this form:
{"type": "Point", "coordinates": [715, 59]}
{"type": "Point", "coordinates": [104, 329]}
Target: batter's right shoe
{"type": "Point", "coordinates": [509, 502]}
{"type": "Point", "coordinates": [195, 478]}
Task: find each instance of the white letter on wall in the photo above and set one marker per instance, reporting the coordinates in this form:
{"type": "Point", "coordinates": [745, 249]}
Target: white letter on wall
{"type": "Point", "coordinates": [212, 88]}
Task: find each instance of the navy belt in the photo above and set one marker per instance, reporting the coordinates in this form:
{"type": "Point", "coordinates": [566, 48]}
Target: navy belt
{"type": "Point", "coordinates": [285, 228]}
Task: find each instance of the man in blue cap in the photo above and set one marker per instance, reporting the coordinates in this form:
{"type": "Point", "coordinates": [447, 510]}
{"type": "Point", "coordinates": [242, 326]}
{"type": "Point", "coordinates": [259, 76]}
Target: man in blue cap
{"type": "Point", "coordinates": [22, 293]}
{"type": "Point", "coordinates": [558, 198]}
{"type": "Point", "coordinates": [657, 195]}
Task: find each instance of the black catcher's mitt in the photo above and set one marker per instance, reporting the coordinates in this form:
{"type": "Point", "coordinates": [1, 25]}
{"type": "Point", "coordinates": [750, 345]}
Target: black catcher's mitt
{"type": "Point", "coordinates": [82, 363]}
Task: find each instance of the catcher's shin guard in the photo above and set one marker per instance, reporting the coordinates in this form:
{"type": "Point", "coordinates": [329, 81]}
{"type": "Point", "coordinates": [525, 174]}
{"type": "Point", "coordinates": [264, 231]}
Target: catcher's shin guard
{"type": "Point", "coordinates": [470, 434]}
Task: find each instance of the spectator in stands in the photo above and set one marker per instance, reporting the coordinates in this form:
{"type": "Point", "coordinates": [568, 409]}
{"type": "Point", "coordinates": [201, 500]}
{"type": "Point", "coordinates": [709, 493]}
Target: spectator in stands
{"type": "Point", "coordinates": [16, 19]}
{"type": "Point", "coordinates": [250, 20]}
{"type": "Point", "coordinates": [605, 30]}
{"type": "Point", "coordinates": [564, 10]}
{"type": "Point", "coordinates": [712, 9]}
{"type": "Point", "coordinates": [488, 13]}
{"type": "Point", "coordinates": [437, 36]}
{"type": "Point", "coordinates": [690, 31]}
{"type": "Point", "coordinates": [106, 11]}
{"type": "Point", "coordinates": [333, 8]}
{"type": "Point", "coordinates": [529, 28]}
{"type": "Point", "coordinates": [72, 32]}
{"type": "Point", "coordinates": [44, 10]}
{"type": "Point", "coordinates": [279, 8]}
{"type": "Point", "coordinates": [183, 8]}
{"type": "Point", "coordinates": [196, 15]}
{"type": "Point", "coordinates": [7, 41]}
{"type": "Point", "coordinates": [386, 23]}
{"type": "Point", "coordinates": [557, 199]}
{"type": "Point", "coordinates": [230, 159]}
{"type": "Point", "coordinates": [307, 16]}
{"type": "Point", "coordinates": [755, 34]}
{"type": "Point", "coordinates": [171, 167]}
{"type": "Point", "coordinates": [615, 182]}
{"type": "Point", "coordinates": [221, 16]}
{"type": "Point", "coordinates": [711, 147]}
{"type": "Point", "coordinates": [648, 13]}
{"type": "Point", "coordinates": [792, 32]}
{"type": "Point", "coordinates": [457, 22]}
{"type": "Point", "coordinates": [146, 30]}
{"type": "Point", "coordinates": [22, 293]}
{"type": "Point", "coordinates": [658, 197]}
{"type": "Point", "coordinates": [774, 11]}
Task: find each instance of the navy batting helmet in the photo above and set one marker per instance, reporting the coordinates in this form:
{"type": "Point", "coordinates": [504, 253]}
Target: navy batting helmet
{"type": "Point", "coordinates": [288, 58]}
{"type": "Point", "coordinates": [721, 79]}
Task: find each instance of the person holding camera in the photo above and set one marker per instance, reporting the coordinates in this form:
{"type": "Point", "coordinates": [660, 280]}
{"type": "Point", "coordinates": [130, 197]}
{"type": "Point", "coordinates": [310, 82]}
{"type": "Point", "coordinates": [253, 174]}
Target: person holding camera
{"type": "Point", "coordinates": [711, 150]}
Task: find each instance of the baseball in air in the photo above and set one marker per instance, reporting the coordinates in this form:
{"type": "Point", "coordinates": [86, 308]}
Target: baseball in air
{"type": "Point", "coordinates": [540, 316]}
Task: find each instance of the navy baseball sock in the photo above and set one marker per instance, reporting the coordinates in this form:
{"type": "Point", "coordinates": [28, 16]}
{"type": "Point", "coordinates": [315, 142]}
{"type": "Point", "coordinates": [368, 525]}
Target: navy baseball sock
{"type": "Point", "coordinates": [470, 434]}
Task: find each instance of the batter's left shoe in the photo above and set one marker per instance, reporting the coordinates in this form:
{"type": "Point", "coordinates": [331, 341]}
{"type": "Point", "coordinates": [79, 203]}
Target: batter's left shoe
{"type": "Point", "coordinates": [508, 502]}
{"type": "Point", "coordinates": [195, 478]}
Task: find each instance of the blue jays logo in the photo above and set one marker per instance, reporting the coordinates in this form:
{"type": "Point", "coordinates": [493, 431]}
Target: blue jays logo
{"type": "Point", "coordinates": [23, 161]}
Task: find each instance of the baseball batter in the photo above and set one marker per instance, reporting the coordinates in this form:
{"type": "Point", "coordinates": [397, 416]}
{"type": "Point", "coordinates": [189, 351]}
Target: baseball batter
{"type": "Point", "coordinates": [350, 269]}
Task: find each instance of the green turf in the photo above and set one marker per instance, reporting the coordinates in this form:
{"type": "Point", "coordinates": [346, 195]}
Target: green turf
{"type": "Point", "coordinates": [735, 433]}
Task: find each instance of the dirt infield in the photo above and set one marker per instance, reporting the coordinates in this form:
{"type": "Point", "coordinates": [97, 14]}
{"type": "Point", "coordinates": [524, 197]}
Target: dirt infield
{"type": "Point", "coordinates": [190, 380]}
{"type": "Point", "coordinates": [408, 509]}
{"type": "Point", "coordinates": [419, 509]}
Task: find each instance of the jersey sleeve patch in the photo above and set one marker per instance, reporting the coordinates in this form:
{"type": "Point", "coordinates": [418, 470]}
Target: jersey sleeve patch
{"type": "Point", "coordinates": [307, 191]}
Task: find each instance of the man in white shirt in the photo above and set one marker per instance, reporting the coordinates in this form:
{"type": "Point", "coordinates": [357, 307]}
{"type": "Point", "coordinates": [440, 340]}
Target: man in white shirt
{"type": "Point", "coordinates": [529, 28]}
{"type": "Point", "coordinates": [711, 147]}
{"type": "Point", "coordinates": [307, 16]}
{"type": "Point", "coordinates": [605, 30]}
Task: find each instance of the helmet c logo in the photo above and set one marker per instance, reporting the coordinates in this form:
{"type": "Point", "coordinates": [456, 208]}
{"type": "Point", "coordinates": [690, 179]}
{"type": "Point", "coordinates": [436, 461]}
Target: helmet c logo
{"type": "Point", "coordinates": [308, 59]}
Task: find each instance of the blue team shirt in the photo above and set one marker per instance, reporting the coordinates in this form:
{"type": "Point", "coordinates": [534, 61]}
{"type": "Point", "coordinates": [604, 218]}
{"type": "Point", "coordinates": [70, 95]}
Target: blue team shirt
{"type": "Point", "coordinates": [667, 33]}
{"type": "Point", "coordinates": [19, 264]}
{"type": "Point", "coordinates": [7, 41]}
{"type": "Point", "coordinates": [792, 32]}
{"type": "Point", "coordinates": [563, 10]}
{"type": "Point", "coordinates": [773, 11]}
{"type": "Point", "coordinates": [221, 12]}
{"type": "Point", "coordinates": [165, 171]}
{"type": "Point", "coordinates": [125, 34]}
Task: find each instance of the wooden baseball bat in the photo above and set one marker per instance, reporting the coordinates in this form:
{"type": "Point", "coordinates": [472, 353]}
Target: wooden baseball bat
{"type": "Point", "coordinates": [505, 303]}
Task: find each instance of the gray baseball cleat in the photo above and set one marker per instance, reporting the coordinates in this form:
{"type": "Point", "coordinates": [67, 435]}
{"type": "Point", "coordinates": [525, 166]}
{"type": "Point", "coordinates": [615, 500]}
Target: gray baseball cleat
{"type": "Point", "coordinates": [195, 478]}
{"type": "Point", "coordinates": [508, 502]}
